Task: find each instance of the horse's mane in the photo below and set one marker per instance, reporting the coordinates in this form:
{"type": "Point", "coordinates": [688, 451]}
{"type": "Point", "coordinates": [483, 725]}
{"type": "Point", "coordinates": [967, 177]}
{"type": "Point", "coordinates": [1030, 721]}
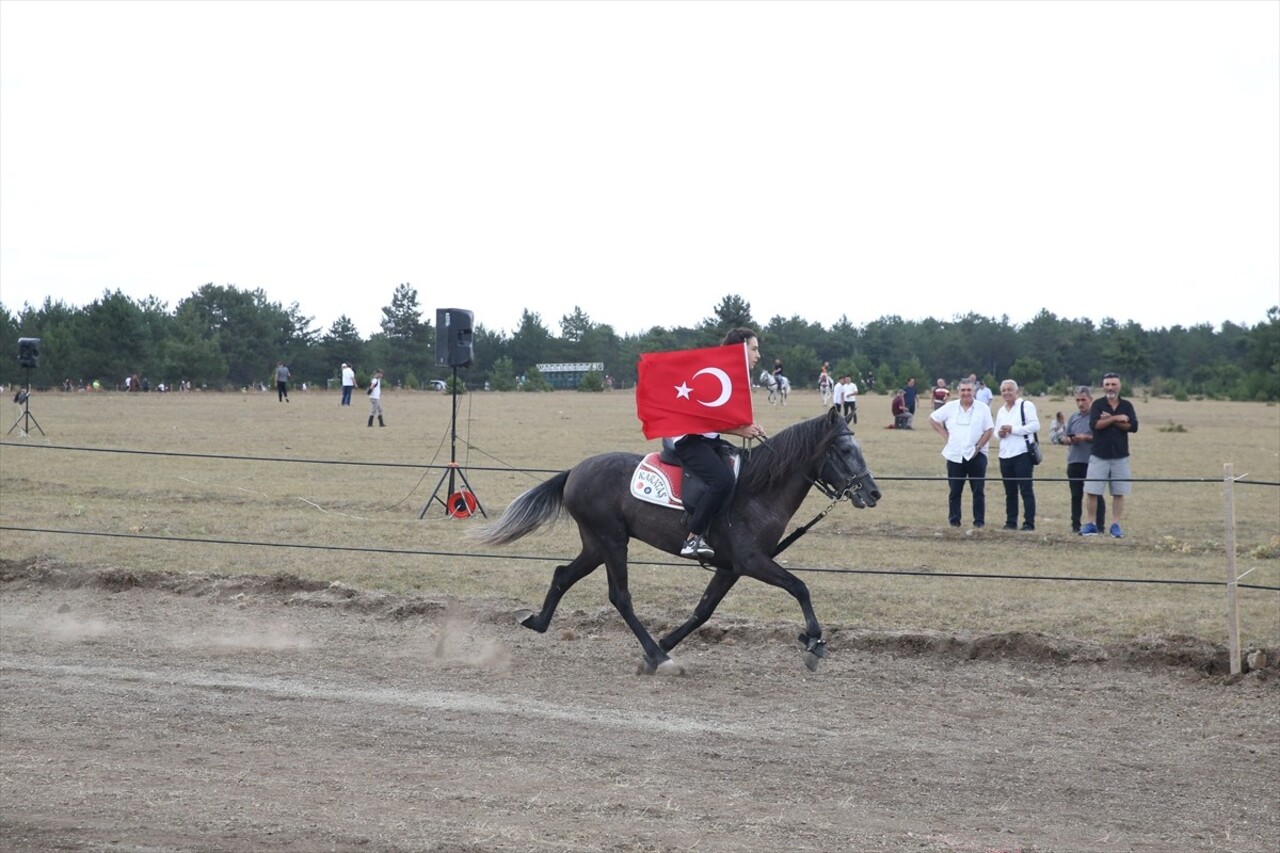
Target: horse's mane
{"type": "Point", "coordinates": [796, 448]}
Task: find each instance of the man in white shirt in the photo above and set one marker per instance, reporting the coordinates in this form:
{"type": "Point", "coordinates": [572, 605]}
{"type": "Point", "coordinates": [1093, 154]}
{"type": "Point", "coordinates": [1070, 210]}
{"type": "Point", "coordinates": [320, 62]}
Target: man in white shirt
{"type": "Point", "coordinates": [1016, 424]}
{"type": "Point", "coordinates": [967, 428]}
{"type": "Point", "coordinates": [844, 398]}
{"type": "Point", "coordinates": [348, 383]}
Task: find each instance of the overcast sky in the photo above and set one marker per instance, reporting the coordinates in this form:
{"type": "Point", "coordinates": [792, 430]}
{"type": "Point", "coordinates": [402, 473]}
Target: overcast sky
{"type": "Point", "coordinates": [641, 160]}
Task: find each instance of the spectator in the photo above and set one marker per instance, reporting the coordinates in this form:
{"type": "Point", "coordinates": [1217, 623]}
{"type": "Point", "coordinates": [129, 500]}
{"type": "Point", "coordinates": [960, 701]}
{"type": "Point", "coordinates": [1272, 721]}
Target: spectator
{"type": "Point", "coordinates": [1016, 424]}
{"type": "Point", "coordinates": [348, 383]}
{"type": "Point", "coordinates": [844, 398]}
{"type": "Point", "coordinates": [909, 399]}
{"type": "Point", "coordinates": [967, 428]}
{"type": "Point", "coordinates": [1111, 419]}
{"type": "Point", "coordinates": [1078, 439]}
{"type": "Point", "coordinates": [982, 394]}
{"type": "Point", "coordinates": [940, 394]}
{"type": "Point", "coordinates": [1058, 431]}
{"type": "Point", "coordinates": [901, 417]}
{"type": "Point", "coordinates": [282, 383]}
{"type": "Point", "coordinates": [375, 398]}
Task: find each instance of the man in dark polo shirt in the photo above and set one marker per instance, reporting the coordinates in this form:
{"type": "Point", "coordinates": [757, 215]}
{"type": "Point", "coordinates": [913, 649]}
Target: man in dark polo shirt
{"type": "Point", "coordinates": [1111, 419]}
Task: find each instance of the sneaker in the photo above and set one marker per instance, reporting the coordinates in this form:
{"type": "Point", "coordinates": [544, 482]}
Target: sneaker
{"type": "Point", "coordinates": [1011, 527]}
{"type": "Point", "coordinates": [1089, 529]}
{"type": "Point", "coordinates": [697, 548]}
{"type": "Point", "coordinates": [1116, 532]}
{"type": "Point", "coordinates": [1031, 527]}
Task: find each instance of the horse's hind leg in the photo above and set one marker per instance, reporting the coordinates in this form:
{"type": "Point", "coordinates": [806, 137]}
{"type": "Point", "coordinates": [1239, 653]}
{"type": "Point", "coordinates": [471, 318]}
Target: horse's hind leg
{"type": "Point", "coordinates": [564, 578]}
{"type": "Point", "coordinates": [655, 658]}
{"type": "Point", "coordinates": [720, 585]}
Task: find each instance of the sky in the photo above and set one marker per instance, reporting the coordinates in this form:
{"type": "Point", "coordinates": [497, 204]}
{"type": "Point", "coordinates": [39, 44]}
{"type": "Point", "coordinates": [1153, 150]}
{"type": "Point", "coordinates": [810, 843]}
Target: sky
{"type": "Point", "coordinates": [640, 161]}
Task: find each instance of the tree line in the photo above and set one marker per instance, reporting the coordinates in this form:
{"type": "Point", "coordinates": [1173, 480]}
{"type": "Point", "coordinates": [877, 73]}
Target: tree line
{"type": "Point", "coordinates": [223, 338]}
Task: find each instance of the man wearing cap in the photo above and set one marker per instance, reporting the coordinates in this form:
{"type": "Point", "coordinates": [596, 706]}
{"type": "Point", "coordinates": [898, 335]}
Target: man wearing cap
{"type": "Point", "coordinates": [348, 382]}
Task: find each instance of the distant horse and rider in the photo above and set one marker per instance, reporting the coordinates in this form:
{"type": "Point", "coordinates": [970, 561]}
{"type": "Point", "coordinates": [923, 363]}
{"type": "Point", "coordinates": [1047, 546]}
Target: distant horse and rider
{"type": "Point", "coordinates": [611, 497]}
{"type": "Point", "coordinates": [826, 384]}
{"type": "Point", "coordinates": [779, 387]}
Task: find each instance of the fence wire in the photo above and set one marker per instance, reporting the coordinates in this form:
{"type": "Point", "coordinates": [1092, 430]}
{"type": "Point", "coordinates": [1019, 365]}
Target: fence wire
{"type": "Point", "coordinates": [532, 557]}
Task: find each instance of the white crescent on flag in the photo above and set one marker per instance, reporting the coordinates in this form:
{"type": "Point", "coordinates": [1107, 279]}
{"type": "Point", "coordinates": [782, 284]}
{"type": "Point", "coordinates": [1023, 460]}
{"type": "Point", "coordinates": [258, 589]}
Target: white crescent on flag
{"type": "Point", "coordinates": [726, 387]}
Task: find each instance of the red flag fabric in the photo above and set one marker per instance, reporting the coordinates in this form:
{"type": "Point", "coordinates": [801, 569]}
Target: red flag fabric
{"type": "Point", "coordinates": [693, 390]}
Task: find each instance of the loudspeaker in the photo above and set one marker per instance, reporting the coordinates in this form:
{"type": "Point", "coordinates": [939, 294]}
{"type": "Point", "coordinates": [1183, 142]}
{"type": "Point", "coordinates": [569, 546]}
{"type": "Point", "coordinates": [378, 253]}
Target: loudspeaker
{"type": "Point", "coordinates": [453, 337]}
{"type": "Point", "coordinates": [28, 352]}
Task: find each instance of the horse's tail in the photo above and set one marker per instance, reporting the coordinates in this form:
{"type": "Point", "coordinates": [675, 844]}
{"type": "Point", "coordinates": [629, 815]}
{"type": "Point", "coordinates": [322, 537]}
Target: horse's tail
{"type": "Point", "coordinates": [536, 507]}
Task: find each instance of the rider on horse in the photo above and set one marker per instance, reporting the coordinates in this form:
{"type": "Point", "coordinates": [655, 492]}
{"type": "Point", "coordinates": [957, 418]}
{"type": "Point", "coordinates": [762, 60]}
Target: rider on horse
{"type": "Point", "coordinates": [697, 452]}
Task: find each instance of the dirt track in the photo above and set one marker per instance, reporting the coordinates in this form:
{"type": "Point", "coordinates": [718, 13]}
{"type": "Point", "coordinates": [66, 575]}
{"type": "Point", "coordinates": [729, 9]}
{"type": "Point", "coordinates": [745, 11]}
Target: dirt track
{"type": "Point", "coordinates": [160, 713]}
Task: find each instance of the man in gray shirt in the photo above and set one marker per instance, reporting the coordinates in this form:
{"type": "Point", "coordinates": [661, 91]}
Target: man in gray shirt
{"type": "Point", "coordinates": [1078, 438]}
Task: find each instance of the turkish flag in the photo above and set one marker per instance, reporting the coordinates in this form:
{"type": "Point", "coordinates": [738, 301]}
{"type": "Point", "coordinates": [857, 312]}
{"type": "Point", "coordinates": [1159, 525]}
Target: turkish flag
{"type": "Point", "coordinates": [693, 390]}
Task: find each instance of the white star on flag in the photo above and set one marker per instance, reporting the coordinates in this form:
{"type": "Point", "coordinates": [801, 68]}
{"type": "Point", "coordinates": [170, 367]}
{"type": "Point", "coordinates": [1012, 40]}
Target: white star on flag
{"type": "Point", "coordinates": [683, 390]}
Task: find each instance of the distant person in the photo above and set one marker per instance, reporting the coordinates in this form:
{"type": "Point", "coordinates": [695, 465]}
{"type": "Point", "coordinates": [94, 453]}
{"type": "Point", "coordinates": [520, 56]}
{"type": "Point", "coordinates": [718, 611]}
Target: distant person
{"type": "Point", "coordinates": [844, 398]}
{"type": "Point", "coordinates": [375, 398]}
{"type": "Point", "coordinates": [282, 383]}
{"type": "Point", "coordinates": [899, 409]}
{"type": "Point", "coordinates": [1111, 419]}
{"type": "Point", "coordinates": [909, 399]}
{"type": "Point", "coordinates": [778, 374]}
{"type": "Point", "coordinates": [967, 428]}
{"type": "Point", "coordinates": [1079, 439]}
{"type": "Point", "coordinates": [1016, 424]}
{"type": "Point", "coordinates": [941, 394]}
{"type": "Point", "coordinates": [982, 394]}
{"type": "Point", "coordinates": [1058, 429]}
{"type": "Point", "coordinates": [348, 383]}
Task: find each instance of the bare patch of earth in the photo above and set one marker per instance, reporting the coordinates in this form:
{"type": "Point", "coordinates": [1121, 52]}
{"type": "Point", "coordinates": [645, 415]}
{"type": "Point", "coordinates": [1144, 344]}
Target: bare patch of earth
{"type": "Point", "coordinates": [156, 712]}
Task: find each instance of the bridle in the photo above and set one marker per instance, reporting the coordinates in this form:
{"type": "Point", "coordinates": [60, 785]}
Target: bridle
{"type": "Point", "coordinates": [836, 493]}
{"type": "Point", "coordinates": [840, 491]}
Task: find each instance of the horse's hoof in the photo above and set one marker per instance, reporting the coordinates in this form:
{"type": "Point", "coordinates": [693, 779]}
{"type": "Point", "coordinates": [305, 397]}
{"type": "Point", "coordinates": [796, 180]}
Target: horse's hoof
{"type": "Point", "coordinates": [670, 667]}
{"type": "Point", "coordinates": [815, 649]}
{"type": "Point", "coordinates": [667, 667]}
{"type": "Point", "coordinates": [524, 617]}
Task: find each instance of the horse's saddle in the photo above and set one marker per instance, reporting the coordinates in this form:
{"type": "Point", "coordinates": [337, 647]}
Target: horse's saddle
{"type": "Point", "coordinates": [660, 480]}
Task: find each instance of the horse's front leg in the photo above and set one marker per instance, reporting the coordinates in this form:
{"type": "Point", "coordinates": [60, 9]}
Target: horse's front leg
{"type": "Point", "coordinates": [564, 578]}
{"type": "Point", "coordinates": [767, 570]}
{"type": "Point", "coordinates": [721, 583]}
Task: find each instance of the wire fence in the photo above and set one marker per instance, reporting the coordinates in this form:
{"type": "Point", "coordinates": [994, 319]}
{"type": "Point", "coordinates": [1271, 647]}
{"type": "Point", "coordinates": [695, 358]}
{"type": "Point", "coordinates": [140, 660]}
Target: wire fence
{"type": "Point", "coordinates": [507, 555]}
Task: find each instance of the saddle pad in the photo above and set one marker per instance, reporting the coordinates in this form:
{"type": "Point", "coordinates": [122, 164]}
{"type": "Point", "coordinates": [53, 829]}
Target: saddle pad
{"type": "Point", "coordinates": [660, 483]}
{"type": "Point", "coordinates": [657, 482]}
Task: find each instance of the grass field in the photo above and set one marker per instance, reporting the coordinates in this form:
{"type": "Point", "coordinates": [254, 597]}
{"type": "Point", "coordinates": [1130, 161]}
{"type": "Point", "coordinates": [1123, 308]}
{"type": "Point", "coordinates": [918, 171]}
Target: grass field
{"type": "Point", "coordinates": [350, 486]}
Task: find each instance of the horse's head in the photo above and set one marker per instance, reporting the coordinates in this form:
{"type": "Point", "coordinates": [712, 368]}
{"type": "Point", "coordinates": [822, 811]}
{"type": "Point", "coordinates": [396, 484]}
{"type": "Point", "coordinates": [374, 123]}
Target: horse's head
{"type": "Point", "coordinates": [844, 469]}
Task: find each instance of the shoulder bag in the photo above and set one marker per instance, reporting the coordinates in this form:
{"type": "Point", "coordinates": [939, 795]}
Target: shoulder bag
{"type": "Point", "coordinates": [1033, 444]}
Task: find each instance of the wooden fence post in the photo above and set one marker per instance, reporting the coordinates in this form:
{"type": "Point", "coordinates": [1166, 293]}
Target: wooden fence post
{"type": "Point", "coordinates": [1233, 611]}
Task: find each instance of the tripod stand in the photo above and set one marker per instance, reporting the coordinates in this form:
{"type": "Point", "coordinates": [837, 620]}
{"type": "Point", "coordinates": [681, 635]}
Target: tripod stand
{"type": "Point", "coordinates": [461, 502]}
{"type": "Point", "coordinates": [26, 418]}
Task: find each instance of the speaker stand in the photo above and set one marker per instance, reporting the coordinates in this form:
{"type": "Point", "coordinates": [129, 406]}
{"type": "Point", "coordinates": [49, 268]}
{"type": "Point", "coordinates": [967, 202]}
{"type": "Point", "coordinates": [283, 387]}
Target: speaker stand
{"type": "Point", "coordinates": [457, 503]}
{"type": "Point", "coordinates": [26, 418]}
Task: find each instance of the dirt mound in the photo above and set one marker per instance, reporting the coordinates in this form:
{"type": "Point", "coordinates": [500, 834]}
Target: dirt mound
{"type": "Point", "coordinates": [1177, 652]}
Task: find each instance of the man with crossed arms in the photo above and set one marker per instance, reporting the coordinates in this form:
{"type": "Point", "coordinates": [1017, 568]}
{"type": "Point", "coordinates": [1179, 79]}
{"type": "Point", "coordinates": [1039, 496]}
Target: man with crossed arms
{"type": "Point", "coordinates": [1111, 419]}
